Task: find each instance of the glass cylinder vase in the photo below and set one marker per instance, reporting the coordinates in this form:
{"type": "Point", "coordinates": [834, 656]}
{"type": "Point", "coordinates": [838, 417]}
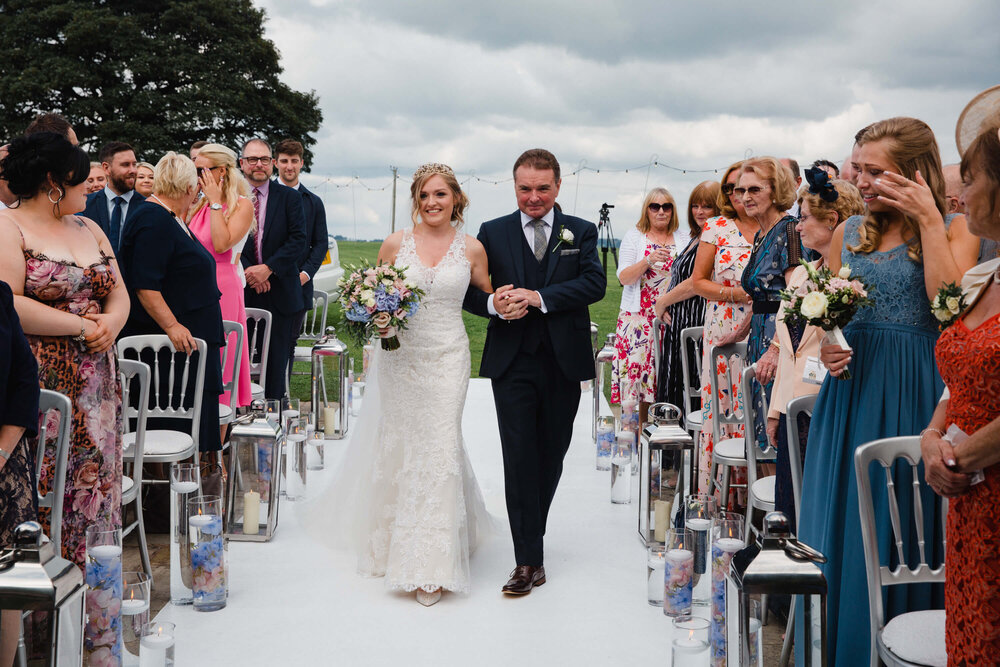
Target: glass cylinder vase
{"type": "Point", "coordinates": [185, 483]}
{"type": "Point", "coordinates": [727, 539]}
{"type": "Point", "coordinates": [699, 512]}
{"type": "Point", "coordinates": [678, 571]}
{"type": "Point", "coordinates": [135, 613]}
{"type": "Point", "coordinates": [621, 468]}
{"type": "Point", "coordinates": [156, 648]}
{"type": "Point", "coordinates": [208, 554]}
{"type": "Point", "coordinates": [605, 441]}
{"type": "Point", "coordinates": [102, 637]}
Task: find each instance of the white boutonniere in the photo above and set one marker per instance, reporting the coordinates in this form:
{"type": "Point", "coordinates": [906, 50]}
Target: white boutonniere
{"type": "Point", "coordinates": [565, 236]}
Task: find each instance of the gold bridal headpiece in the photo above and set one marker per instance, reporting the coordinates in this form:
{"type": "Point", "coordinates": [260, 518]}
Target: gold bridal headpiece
{"type": "Point", "coordinates": [432, 168]}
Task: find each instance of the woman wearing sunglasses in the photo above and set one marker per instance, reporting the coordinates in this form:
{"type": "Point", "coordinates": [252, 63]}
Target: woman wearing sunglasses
{"type": "Point", "coordinates": [646, 258]}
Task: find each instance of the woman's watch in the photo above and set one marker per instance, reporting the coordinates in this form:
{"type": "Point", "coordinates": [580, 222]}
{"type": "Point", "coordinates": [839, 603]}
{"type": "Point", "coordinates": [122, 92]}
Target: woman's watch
{"type": "Point", "coordinates": [215, 207]}
{"type": "Point", "coordinates": [4, 454]}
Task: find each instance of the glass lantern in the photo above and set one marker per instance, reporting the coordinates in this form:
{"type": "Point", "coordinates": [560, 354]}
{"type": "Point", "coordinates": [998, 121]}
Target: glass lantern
{"type": "Point", "coordinates": [252, 488]}
{"type": "Point", "coordinates": [666, 453]}
{"type": "Point", "coordinates": [604, 357]}
{"type": "Point", "coordinates": [330, 397]}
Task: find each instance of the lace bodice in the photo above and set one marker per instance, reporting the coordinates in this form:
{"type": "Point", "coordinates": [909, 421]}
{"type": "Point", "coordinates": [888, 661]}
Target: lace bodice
{"type": "Point", "coordinates": [896, 283]}
{"type": "Point", "coordinates": [439, 319]}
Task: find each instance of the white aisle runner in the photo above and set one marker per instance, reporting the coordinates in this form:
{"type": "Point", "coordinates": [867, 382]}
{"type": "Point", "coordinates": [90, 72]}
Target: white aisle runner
{"type": "Point", "coordinates": [294, 602]}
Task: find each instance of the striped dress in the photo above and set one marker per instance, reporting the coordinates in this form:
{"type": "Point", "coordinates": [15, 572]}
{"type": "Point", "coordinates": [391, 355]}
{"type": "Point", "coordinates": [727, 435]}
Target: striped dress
{"type": "Point", "coordinates": [688, 313]}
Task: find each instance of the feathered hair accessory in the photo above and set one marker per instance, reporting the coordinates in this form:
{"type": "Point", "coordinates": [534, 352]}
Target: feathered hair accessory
{"type": "Point", "coordinates": [819, 184]}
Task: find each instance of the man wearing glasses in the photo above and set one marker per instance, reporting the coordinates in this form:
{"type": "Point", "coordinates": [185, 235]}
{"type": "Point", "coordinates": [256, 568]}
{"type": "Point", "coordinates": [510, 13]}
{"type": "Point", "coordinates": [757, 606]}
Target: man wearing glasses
{"type": "Point", "coordinates": [270, 257]}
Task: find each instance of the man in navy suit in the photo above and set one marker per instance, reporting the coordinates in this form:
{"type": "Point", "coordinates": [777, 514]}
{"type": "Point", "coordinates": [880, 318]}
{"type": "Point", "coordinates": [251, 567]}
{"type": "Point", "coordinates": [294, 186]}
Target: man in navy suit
{"type": "Point", "coordinates": [538, 347]}
{"type": "Point", "coordinates": [270, 258]}
{"type": "Point", "coordinates": [290, 162]}
{"type": "Point", "coordinates": [113, 207]}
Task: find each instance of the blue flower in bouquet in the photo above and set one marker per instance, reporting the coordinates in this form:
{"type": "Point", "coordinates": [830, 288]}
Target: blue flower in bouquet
{"type": "Point", "coordinates": [412, 307]}
{"type": "Point", "coordinates": [207, 555]}
{"type": "Point", "coordinates": [384, 301]}
{"type": "Point", "coordinates": [357, 313]}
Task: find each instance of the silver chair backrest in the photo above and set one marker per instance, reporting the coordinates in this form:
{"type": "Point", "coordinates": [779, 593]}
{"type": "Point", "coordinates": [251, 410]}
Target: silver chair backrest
{"type": "Point", "coordinates": [887, 452]}
{"type": "Point", "coordinates": [692, 343]}
{"type": "Point", "coordinates": [803, 405]}
{"type": "Point", "coordinates": [732, 380]}
{"type": "Point", "coordinates": [135, 385]}
{"type": "Point", "coordinates": [659, 328]}
{"type": "Point", "coordinates": [258, 342]}
{"type": "Point", "coordinates": [168, 404]}
{"type": "Point", "coordinates": [232, 355]}
{"type": "Point", "coordinates": [49, 401]}
{"type": "Point", "coordinates": [314, 324]}
{"type": "Point", "coordinates": [749, 386]}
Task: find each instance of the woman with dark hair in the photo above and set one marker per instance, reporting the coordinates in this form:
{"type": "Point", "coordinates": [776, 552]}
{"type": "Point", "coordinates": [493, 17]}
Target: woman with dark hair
{"type": "Point", "coordinates": [72, 305]}
{"type": "Point", "coordinates": [904, 248]}
{"type": "Point", "coordinates": [680, 308]}
{"type": "Point", "coordinates": [968, 356]}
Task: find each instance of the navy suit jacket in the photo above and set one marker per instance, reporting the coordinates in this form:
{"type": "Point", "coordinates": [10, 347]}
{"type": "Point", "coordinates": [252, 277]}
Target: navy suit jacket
{"type": "Point", "coordinates": [97, 210]}
{"type": "Point", "coordinates": [317, 242]}
{"type": "Point", "coordinates": [283, 244]}
{"type": "Point", "coordinates": [574, 280]}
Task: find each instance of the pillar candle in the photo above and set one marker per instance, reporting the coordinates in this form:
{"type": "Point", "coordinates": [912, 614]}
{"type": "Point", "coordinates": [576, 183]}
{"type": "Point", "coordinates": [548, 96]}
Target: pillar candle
{"type": "Point", "coordinates": [661, 517]}
{"type": "Point", "coordinates": [251, 513]}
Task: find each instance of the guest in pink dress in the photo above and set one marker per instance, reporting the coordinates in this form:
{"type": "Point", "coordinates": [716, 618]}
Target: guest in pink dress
{"type": "Point", "coordinates": [221, 220]}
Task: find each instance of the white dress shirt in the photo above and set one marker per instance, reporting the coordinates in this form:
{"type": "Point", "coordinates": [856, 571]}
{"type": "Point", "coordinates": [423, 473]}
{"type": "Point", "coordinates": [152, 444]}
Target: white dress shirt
{"type": "Point", "coordinates": [111, 194]}
{"type": "Point", "coordinates": [529, 235]}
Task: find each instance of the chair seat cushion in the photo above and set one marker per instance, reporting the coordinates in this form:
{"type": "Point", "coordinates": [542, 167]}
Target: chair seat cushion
{"type": "Point", "coordinates": [256, 391]}
{"type": "Point", "coordinates": [763, 490]}
{"type": "Point", "coordinates": [160, 443]}
{"type": "Point", "coordinates": [917, 637]}
{"type": "Point", "coordinates": [127, 484]}
{"type": "Point", "coordinates": [225, 413]}
{"type": "Point", "coordinates": [731, 448]}
{"type": "Point", "coordinates": [302, 354]}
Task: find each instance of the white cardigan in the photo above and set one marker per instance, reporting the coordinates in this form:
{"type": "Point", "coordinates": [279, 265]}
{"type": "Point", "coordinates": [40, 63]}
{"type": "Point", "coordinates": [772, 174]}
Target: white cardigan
{"type": "Point", "coordinates": [633, 249]}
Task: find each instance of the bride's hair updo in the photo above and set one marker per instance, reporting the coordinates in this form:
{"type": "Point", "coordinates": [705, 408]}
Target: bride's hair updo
{"type": "Point", "coordinates": [420, 178]}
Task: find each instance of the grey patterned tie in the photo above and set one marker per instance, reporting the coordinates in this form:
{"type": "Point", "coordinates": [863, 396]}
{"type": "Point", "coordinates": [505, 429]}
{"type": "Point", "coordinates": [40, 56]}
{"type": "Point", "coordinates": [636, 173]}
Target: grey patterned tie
{"type": "Point", "coordinates": [541, 243]}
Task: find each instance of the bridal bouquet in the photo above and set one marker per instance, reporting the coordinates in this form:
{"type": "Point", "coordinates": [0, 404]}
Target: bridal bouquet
{"type": "Point", "coordinates": [827, 301]}
{"type": "Point", "coordinates": [377, 297]}
{"type": "Point", "coordinates": [948, 304]}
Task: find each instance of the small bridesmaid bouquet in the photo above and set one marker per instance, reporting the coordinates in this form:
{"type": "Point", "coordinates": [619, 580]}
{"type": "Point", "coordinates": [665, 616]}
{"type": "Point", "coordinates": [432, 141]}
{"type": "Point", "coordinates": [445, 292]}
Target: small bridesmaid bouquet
{"type": "Point", "coordinates": [377, 298]}
{"type": "Point", "coordinates": [948, 304]}
{"type": "Point", "coordinates": [827, 301]}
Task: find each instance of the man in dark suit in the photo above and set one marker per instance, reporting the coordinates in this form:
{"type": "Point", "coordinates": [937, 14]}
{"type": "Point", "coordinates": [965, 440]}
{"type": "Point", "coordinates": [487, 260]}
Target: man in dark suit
{"type": "Point", "coordinates": [290, 162]}
{"type": "Point", "coordinates": [538, 347]}
{"type": "Point", "coordinates": [113, 207]}
{"type": "Point", "coordinates": [271, 258]}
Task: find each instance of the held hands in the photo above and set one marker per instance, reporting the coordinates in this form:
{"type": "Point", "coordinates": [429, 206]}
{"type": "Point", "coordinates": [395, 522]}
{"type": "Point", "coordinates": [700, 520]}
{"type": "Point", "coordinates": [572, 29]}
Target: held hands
{"type": "Point", "coordinates": [835, 358]}
{"type": "Point", "coordinates": [258, 276]}
{"type": "Point", "coordinates": [939, 458]}
{"type": "Point", "coordinates": [181, 338]}
{"type": "Point", "coordinates": [913, 198]}
{"type": "Point", "coordinates": [100, 330]}
{"type": "Point", "coordinates": [512, 302]}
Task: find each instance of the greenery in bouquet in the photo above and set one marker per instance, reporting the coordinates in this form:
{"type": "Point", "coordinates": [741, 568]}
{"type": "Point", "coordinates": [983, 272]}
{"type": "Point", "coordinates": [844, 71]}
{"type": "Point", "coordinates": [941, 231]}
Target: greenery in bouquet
{"type": "Point", "coordinates": [377, 297]}
{"type": "Point", "coordinates": [825, 300]}
{"type": "Point", "coordinates": [948, 304]}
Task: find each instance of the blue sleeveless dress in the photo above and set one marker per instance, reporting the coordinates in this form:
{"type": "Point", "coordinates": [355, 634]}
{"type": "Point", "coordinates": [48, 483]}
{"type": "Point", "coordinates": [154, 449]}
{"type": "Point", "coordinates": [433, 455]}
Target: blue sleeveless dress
{"type": "Point", "coordinates": [894, 391]}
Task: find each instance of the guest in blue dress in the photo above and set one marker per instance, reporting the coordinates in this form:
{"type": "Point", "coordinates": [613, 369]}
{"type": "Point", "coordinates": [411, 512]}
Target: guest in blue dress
{"type": "Point", "coordinates": [903, 249]}
{"type": "Point", "coordinates": [767, 190]}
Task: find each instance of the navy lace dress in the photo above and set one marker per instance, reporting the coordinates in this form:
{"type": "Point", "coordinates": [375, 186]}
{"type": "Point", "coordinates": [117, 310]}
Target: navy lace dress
{"type": "Point", "coordinates": [894, 390]}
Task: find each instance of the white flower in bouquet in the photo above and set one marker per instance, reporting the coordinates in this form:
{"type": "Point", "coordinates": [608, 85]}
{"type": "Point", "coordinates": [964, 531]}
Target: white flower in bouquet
{"type": "Point", "coordinates": [845, 272]}
{"type": "Point", "coordinates": [814, 304]}
{"type": "Point", "coordinates": [952, 303]}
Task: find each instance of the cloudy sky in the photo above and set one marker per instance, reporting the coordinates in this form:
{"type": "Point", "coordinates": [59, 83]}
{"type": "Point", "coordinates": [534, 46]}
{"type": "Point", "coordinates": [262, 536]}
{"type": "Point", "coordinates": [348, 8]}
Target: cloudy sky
{"type": "Point", "coordinates": [610, 87]}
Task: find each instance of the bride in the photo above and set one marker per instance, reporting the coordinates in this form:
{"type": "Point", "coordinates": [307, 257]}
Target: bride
{"type": "Point", "coordinates": [416, 510]}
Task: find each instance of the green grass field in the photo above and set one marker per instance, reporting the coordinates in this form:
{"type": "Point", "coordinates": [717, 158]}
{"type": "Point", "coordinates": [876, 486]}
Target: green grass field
{"type": "Point", "coordinates": [604, 313]}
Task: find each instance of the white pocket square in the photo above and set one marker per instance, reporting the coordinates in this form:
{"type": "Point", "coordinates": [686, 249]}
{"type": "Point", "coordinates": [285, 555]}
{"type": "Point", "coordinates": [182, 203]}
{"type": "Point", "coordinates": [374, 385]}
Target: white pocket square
{"type": "Point", "coordinates": [569, 252]}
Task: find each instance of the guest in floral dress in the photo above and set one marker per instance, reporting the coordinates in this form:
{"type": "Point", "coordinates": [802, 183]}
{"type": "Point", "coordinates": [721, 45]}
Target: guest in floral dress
{"type": "Point", "coordinates": [968, 357]}
{"type": "Point", "coordinates": [723, 253]}
{"type": "Point", "coordinates": [646, 258]}
{"type": "Point", "coordinates": [63, 273]}
{"type": "Point", "coordinates": [680, 308]}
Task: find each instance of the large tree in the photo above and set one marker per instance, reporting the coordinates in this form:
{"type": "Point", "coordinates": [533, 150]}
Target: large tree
{"type": "Point", "coordinates": [159, 75]}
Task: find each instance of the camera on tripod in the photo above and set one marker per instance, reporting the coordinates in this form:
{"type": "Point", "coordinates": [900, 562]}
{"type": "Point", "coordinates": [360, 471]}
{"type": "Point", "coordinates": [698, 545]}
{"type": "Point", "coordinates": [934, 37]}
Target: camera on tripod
{"type": "Point", "coordinates": [606, 236]}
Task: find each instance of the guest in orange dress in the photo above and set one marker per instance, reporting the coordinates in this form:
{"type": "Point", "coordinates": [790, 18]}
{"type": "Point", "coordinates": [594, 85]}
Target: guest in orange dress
{"type": "Point", "coordinates": [968, 357]}
{"type": "Point", "coordinates": [221, 220]}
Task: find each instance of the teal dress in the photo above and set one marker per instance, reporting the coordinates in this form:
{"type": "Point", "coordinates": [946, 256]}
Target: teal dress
{"type": "Point", "coordinates": [894, 391]}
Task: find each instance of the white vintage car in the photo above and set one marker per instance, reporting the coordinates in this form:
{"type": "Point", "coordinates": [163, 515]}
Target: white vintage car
{"type": "Point", "coordinates": [330, 271]}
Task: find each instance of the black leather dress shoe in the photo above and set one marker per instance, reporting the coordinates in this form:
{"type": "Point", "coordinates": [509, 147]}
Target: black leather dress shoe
{"type": "Point", "coordinates": [523, 579]}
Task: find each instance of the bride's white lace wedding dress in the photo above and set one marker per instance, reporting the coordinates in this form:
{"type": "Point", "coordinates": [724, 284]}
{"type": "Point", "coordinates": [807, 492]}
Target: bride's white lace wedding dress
{"type": "Point", "coordinates": [405, 491]}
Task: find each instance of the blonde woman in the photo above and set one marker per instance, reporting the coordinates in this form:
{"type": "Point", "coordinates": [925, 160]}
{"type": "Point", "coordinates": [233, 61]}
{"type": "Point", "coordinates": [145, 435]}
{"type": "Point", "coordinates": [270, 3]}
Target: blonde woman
{"type": "Point", "coordinates": [144, 179]}
{"type": "Point", "coordinates": [221, 220]}
{"type": "Point", "coordinates": [646, 259]}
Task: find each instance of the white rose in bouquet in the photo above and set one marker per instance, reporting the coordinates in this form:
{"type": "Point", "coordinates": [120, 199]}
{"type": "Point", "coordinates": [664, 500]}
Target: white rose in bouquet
{"type": "Point", "coordinates": [952, 303]}
{"type": "Point", "coordinates": [814, 304]}
{"type": "Point", "coordinates": [845, 272]}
